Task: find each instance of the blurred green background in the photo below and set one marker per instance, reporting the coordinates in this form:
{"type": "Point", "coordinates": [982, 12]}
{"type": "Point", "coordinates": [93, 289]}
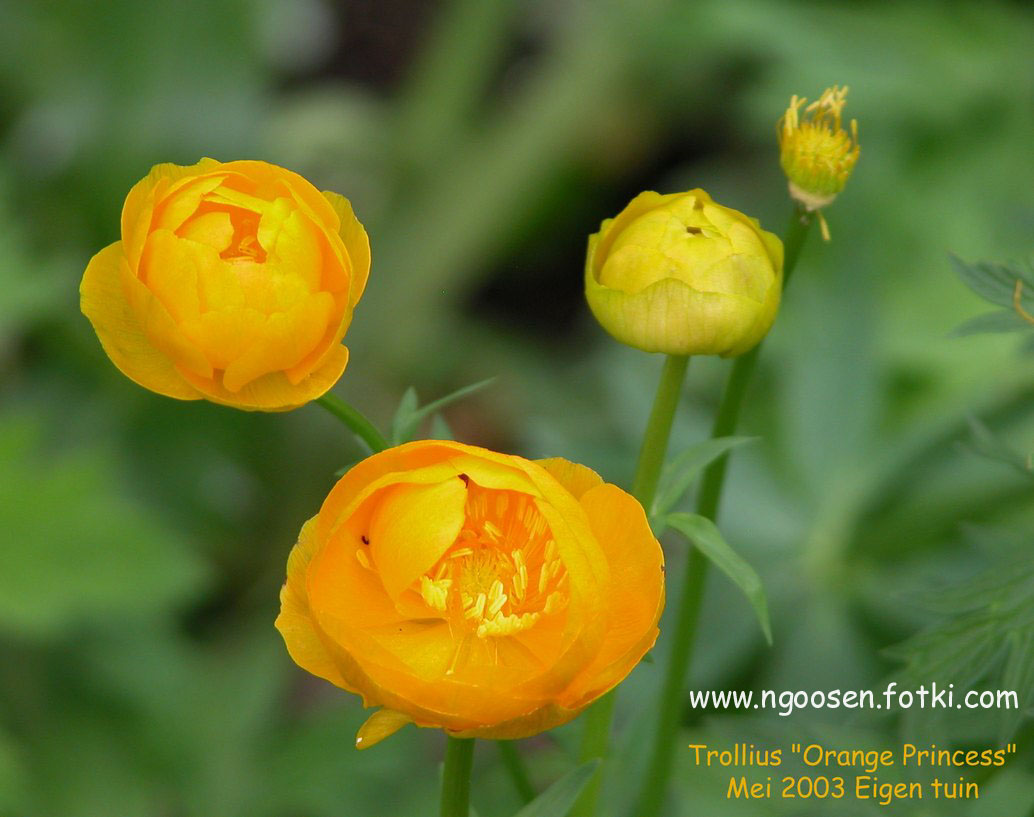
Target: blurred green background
{"type": "Point", "coordinates": [143, 540]}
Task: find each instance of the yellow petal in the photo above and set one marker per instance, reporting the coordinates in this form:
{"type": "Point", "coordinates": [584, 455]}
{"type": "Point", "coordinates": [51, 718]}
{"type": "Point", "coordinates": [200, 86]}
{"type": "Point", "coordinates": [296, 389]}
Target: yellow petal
{"type": "Point", "coordinates": [290, 238]}
{"type": "Point", "coordinates": [280, 178]}
{"type": "Point", "coordinates": [412, 528]}
{"type": "Point", "coordinates": [181, 200]}
{"type": "Point", "coordinates": [274, 392]}
{"type": "Point", "coordinates": [104, 302]}
{"type": "Point", "coordinates": [284, 340]}
{"type": "Point", "coordinates": [380, 725]}
{"type": "Point", "coordinates": [139, 204]}
{"type": "Point", "coordinates": [213, 229]}
{"type": "Point", "coordinates": [295, 621]}
{"type": "Point", "coordinates": [646, 201]}
{"type": "Point", "coordinates": [574, 477]}
{"type": "Point", "coordinates": [163, 332]}
{"type": "Point", "coordinates": [658, 318]}
{"type": "Point", "coordinates": [636, 591]}
{"type": "Point", "coordinates": [357, 243]}
{"type": "Point", "coordinates": [171, 267]}
{"type": "Point", "coordinates": [539, 720]}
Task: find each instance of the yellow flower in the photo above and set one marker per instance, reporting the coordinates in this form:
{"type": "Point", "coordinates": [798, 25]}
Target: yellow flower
{"type": "Point", "coordinates": [681, 274]}
{"type": "Point", "coordinates": [816, 153]}
{"type": "Point", "coordinates": [232, 282]}
{"type": "Point", "coordinates": [478, 592]}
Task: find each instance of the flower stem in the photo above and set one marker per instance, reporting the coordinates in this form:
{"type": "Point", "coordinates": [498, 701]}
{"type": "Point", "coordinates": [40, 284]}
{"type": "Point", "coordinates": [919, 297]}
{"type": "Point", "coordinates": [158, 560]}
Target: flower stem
{"type": "Point", "coordinates": [655, 782]}
{"type": "Point", "coordinates": [514, 764]}
{"type": "Point", "coordinates": [648, 471]}
{"type": "Point", "coordinates": [658, 429]}
{"type": "Point", "coordinates": [355, 421]}
{"type": "Point", "coordinates": [459, 759]}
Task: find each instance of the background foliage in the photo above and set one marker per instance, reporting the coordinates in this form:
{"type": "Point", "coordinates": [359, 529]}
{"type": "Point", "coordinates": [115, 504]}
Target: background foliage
{"type": "Point", "coordinates": [143, 541]}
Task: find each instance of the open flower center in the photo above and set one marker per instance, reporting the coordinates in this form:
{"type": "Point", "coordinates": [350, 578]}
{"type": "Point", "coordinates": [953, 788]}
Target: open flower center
{"type": "Point", "coordinates": [244, 244]}
{"type": "Point", "coordinates": [503, 572]}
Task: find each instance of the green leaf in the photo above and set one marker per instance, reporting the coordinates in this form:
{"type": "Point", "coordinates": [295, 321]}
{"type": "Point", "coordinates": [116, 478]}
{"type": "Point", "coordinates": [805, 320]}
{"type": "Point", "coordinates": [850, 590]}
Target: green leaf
{"type": "Point", "coordinates": [557, 800]}
{"type": "Point", "coordinates": [706, 537]}
{"type": "Point", "coordinates": [983, 638]}
{"type": "Point", "coordinates": [440, 429]}
{"type": "Point", "coordinates": [402, 422]}
{"type": "Point", "coordinates": [998, 284]}
{"type": "Point", "coordinates": [997, 322]}
{"type": "Point", "coordinates": [410, 414]}
{"type": "Point", "coordinates": [986, 444]}
{"type": "Point", "coordinates": [75, 547]}
{"type": "Point", "coordinates": [992, 282]}
{"type": "Point", "coordinates": [680, 473]}
{"type": "Point", "coordinates": [1018, 675]}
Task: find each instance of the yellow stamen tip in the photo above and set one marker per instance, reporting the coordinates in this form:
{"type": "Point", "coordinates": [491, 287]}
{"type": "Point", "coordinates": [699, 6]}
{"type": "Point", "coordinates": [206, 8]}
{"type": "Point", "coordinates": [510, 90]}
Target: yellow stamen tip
{"type": "Point", "coordinates": [815, 151]}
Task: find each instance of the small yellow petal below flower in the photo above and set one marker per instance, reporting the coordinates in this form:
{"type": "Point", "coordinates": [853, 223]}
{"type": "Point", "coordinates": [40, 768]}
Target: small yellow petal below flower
{"type": "Point", "coordinates": [380, 725]}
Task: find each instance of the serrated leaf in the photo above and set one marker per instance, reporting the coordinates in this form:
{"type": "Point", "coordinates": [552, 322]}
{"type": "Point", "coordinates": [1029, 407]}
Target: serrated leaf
{"type": "Point", "coordinates": [410, 414]}
{"type": "Point", "coordinates": [403, 421]}
{"type": "Point", "coordinates": [1019, 677]}
{"type": "Point", "coordinates": [998, 322]}
{"type": "Point", "coordinates": [705, 536]}
{"type": "Point", "coordinates": [985, 636]}
{"type": "Point", "coordinates": [680, 473]}
{"type": "Point", "coordinates": [557, 800]}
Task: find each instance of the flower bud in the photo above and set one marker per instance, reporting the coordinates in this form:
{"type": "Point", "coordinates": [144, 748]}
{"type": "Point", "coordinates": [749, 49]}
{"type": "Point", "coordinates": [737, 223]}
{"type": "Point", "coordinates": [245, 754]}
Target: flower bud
{"type": "Point", "coordinates": [232, 282]}
{"type": "Point", "coordinates": [816, 153]}
{"type": "Point", "coordinates": [683, 275]}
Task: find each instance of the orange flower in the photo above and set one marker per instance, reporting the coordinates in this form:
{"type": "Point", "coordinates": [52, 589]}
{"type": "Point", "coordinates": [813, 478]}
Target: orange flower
{"type": "Point", "coordinates": [232, 282]}
{"type": "Point", "coordinates": [478, 592]}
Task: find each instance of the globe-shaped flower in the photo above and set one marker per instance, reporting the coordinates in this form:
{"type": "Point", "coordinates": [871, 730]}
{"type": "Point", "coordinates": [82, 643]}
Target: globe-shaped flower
{"type": "Point", "coordinates": [232, 282]}
{"type": "Point", "coordinates": [478, 592]}
{"type": "Point", "coordinates": [683, 275]}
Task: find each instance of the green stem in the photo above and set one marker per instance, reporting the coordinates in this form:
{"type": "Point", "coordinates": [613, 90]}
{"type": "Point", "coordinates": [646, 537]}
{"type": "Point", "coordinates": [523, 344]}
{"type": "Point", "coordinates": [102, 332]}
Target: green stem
{"type": "Point", "coordinates": [709, 497]}
{"type": "Point", "coordinates": [658, 429]}
{"type": "Point", "coordinates": [514, 764]}
{"type": "Point", "coordinates": [648, 472]}
{"type": "Point", "coordinates": [459, 759]}
{"type": "Point", "coordinates": [351, 417]}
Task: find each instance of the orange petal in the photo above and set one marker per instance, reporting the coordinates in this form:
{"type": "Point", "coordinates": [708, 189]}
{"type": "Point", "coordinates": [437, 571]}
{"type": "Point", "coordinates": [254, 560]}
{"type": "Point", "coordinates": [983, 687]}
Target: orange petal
{"type": "Point", "coordinates": [274, 392]}
{"type": "Point", "coordinates": [212, 229]}
{"type": "Point", "coordinates": [574, 477]}
{"type": "Point", "coordinates": [412, 528]}
{"type": "Point", "coordinates": [139, 204]}
{"type": "Point", "coordinates": [282, 342]}
{"type": "Point", "coordinates": [295, 621]}
{"type": "Point", "coordinates": [307, 196]}
{"type": "Point", "coordinates": [636, 591]}
{"type": "Point", "coordinates": [357, 243]}
{"type": "Point", "coordinates": [104, 302]}
{"type": "Point", "coordinates": [342, 590]}
{"type": "Point", "coordinates": [544, 717]}
{"type": "Point", "coordinates": [171, 267]}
